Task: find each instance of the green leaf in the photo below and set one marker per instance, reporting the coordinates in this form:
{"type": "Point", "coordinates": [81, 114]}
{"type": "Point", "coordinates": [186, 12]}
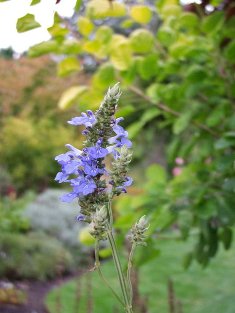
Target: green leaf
{"type": "Point", "coordinates": [120, 52]}
{"type": "Point", "coordinates": [85, 26]}
{"type": "Point", "coordinates": [171, 10]}
{"type": "Point", "coordinates": [188, 20]}
{"type": "Point", "coordinates": [216, 116]}
{"type": "Point", "coordinates": [70, 96]}
{"type": "Point", "coordinates": [166, 35]}
{"type": "Point", "coordinates": [182, 122]}
{"type": "Point", "coordinates": [97, 9]}
{"type": "Point", "coordinates": [141, 14]}
{"type": "Point", "coordinates": [26, 23]}
{"type": "Point", "coordinates": [156, 175]}
{"type": "Point", "coordinates": [187, 260]}
{"type": "Point", "coordinates": [226, 237]}
{"type": "Point", "coordinates": [223, 144]}
{"type": "Point", "coordinates": [104, 34]}
{"type": "Point", "coordinates": [35, 2]}
{"type": "Point", "coordinates": [68, 66]}
{"type": "Point", "coordinates": [78, 5]}
{"type": "Point", "coordinates": [229, 52]}
{"type": "Point", "coordinates": [142, 41]}
{"type": "Point", "coordinates": [43, 48]}
{"type": "Point", "coordinates": [70, 46]}
{"type": "Point", "coordinates": [214, 22]}
{"type": "Point", "coordinates": [148, 66]}
{"type": "Point", "coordinates": [105, 253]}
{"type": "Point", "coordinates": [229, 184]}
{"type": "Point", "coordinates": [196, 73]}
{"type": "Point", "coordinates": [105, 76]}
{"type": "Point", "coordinates": [135, 128]}
{"type": "Point", "coordinates": [58, 31]}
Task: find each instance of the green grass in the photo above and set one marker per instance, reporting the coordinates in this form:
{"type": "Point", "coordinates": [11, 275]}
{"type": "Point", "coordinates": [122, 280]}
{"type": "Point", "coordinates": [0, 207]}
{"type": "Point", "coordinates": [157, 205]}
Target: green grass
{"type": "Point", "coordinates": [209, 290]}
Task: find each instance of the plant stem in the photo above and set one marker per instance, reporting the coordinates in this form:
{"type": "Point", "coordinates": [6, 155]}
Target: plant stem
{"type": "Point", "coordinates": [117, 263]}
{"type": "Point", "coordinates": [98, 267]}
{"type": "Point", "coordinates": [129, 271]}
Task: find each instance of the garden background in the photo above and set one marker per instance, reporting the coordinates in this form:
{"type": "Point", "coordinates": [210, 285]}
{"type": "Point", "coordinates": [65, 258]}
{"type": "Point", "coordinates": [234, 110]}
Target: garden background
{"type": "Point", "coordinates": [175, 63]}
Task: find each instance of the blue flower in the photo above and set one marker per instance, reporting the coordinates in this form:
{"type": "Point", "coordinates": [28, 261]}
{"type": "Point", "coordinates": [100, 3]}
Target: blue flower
{"type": "Point", "coordinates": [121, 137]}
{"type": "Point", "coordinates": [96, 152]}
{"type": "Point", "coordinates": [87, 119]}
{"type": "Point", "coordinates": [61, 177]}
{"type": "Point", "coordinates": [83, 185]}
{"type": "Point", "coordinates": [68, 197]}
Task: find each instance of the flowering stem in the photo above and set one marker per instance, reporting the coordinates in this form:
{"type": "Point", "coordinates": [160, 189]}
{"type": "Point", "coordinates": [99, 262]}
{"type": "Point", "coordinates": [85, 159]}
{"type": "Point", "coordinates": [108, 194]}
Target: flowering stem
{"type": "Point", "coordinates": [97, 266]}
{"type": "Point", "coordinates": [129, 271]}
{"type": "Point", "coordinates": [117, 263]}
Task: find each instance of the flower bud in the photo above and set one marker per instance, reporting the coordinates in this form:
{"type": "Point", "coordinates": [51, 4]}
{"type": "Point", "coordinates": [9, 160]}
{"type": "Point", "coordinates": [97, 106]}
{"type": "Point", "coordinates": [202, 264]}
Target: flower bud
{"type": "Point", "coordinates": [97, 226]}
{"type": "Point", "coordinates": [138, 231]}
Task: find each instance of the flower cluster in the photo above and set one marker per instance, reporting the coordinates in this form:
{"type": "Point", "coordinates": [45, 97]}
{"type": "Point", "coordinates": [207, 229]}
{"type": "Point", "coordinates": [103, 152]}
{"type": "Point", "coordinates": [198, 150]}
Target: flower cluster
{"type": "Point", "coordinates": [85, 169]}
{"type": "Point", "coordinates": [138, 231]}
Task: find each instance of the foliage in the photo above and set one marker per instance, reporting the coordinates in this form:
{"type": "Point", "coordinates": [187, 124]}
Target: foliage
{"type": "Point", "coordinates": [35, 256]}
{"type": "Point", "coordinates": [26, 146]}
{"type": "Point", "coordinates": [56, 219]}
{"type": "Point", "coordinates": [199, 290]}
{"type": "Point", "coordinates": [183, 69]}
{"type": "Point", "coordinates": [11, 219]}
{"type": "Point", "coordinates": [32, 127]}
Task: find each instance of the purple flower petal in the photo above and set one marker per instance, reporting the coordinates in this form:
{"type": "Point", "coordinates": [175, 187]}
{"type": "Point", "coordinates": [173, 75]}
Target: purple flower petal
{"type": "Point", "coordinates": [68, 197]}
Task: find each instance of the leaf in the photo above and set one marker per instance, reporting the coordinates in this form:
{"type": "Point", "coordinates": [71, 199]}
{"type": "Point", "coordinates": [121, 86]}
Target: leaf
{"type": "Point", "coordinates": [148, 66]}
{"type": "Point", "coordinates": [68, 66]}
{"type": "Point", "coordinates": [97, 9]}
{"type": "Point", "coordinates": [229, 52]}
{"type": "Point", "coordinates": [35, 2]}
{"type": "Point", "coordinates": [156, 175]}
{"type": "Point", "coordinates": [104, 34]}
{"type": "Point", "coordinates": [105, 253]}
{"type": "Point", "coordinates": [58, 31]}
{"type": "Point", "coordinates": [214, 22]}
{"type": "Point", "coordinates": [229, 184]}
{"type": "Point", "coordinates": [105, 76]}
{"type": "Point", "coordinates": [142, 41]}
{"type": "Point", "coordinates": [223, 144]}
{"type": "Point", "coordinates": [43, 48]}
{"type": "Point", "coordinates": [187, 260]}
{"type": "Point", "coordinates": [188, 20]}
{"type": "Point", "coordinates": [170, 10]}
{"type": "Point", "coordinates": [135, 128]}
{"type": "Point", "coordinates": [78, 5]}
{"type": "Point", "coordinates": [70, 96]}
{"type": "Point", "coordinates": [141, 14]}
{"type": "Point", "coordinates": [85, 26]}
{"type": "Point", "coordinates": [226, 237]}
{"type": "Point", "coordinates": [196, 73]}
{"type": "Point", "coordinates": [182, 122]}
{"type": "Point", "coordinates": [26, 23]}
{"type": "Point", "coordinates": [120, 52]}
{"type": "Point", "coordinates": [216, 116]}
{"type": "Point", "coordinates": [166, 35]}
{"type": "Point", "coordinates": [70, 46]}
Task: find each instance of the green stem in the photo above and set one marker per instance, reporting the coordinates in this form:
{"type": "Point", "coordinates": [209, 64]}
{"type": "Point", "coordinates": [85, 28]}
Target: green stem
{"type": "Point", "coordinates": [129, 271]}
{"type": "Point", "coordinates": [98, 267]}
{"type": "Point", "coordinates": [117, 263]}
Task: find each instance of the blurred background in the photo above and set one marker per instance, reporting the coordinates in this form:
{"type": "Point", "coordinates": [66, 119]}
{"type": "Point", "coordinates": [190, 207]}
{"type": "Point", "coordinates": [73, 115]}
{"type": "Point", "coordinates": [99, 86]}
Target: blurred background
{"type": "Point", "coordinates": [175, 62]}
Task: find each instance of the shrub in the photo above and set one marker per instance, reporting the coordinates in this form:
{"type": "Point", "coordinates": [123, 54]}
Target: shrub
{"type": "Point", "coordinates": [48, 214]}
{"type": "Point", "coordinates": [11, 219]}
{"type": "Point", "coordinates": [33, 257]}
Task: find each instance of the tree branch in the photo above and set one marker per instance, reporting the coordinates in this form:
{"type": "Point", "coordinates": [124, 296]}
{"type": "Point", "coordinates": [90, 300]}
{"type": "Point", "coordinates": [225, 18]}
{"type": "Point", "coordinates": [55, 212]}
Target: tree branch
{"type": "Point", "coordinates": [165, 108]}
